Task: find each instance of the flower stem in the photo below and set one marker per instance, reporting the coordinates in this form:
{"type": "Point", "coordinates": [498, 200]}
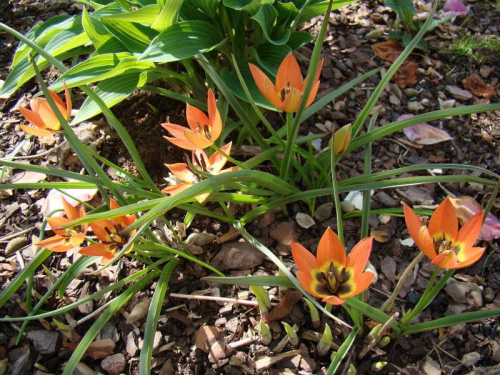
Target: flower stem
{"type": "Point", "coordinates": [336, 198]}
{"type": "Point", "coordinates": [390, 301]}
{"type": "Point", "coordinates": [491, 201]}
{"type": "Point", "coordinates": [228, 157]}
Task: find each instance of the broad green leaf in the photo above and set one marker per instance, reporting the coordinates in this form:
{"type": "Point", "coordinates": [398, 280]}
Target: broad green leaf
{"type": "Point", "coordinates": [172, 45]}
{"type": "Point", "coordinates": [318, 7]}
{"type": "Point", "coordinates": [42, 34]}
{"type": "Point", "coordinates": [298, 39]}
{"type": "Point", "coordinates": [146, 15]}
{"type": "Point", "coordinates": [95, 30]}
{"type": "Point", "coordinates": [101, 69]}
{"type": "Point", "coordinates": [249, 6]}
{"type": "Point", "coordinates": [266, 17]}
{"type": "Point", "coordinates": [404, 9]}
{"type": "Point", "coordinates": [146, 2]}
{"type": "Point", "coordinates": [134, 36]}
{"type": "Point", "coordinates": [90, 70]}
{"type": "Point", "coordinates": [209, 7]}
{"type": "Point", "coordinates": [168, 15]}
{"type": "Point", "coordinates": [270, 56]}
{"type": "Point", "coordinates": [112, 91]}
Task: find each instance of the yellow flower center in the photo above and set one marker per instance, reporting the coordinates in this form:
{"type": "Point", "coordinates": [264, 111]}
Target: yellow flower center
{"type": "Point", "coordinates": [205, 130]}
{"type": "Point", "coordinates": [442, 243]}
{"type": "Point", "coordinates": [333, 277]}
{"type": "Point", "coordinates": [285, 91]}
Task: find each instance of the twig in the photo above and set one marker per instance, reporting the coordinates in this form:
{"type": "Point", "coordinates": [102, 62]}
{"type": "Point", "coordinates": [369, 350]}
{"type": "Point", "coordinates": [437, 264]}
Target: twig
{"type": "Point", "coordinates": [213, 298]}
{"type": "Point", "coordinates": [379, 336]}
{"type": "Point", "coordinates": [16, 234]}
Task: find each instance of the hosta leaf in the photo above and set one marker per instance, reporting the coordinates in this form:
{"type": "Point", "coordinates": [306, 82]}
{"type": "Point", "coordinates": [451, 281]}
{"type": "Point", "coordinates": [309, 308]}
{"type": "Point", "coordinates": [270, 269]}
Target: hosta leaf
{"type": "Point", "coordinates": [134, 36]}
{"type": "Point", "coordinates": [298, 39]}
{"type": "Point", "coordinates": [266, 17]}
{"type": "Point", "coordinates": [270, 56]}
{"type": "Point", "coordinates": [112, 91]}
{"type": "Point", "coordinates": [317, 7]}
{"type": "Point", "coordinates": [100, 68]}
{"type": "Point", "coordinates": [145, 15]}
{"type": "Point", "coordinates": [168, 15]}
{"type": "Point", "coordinates": [171, 44]}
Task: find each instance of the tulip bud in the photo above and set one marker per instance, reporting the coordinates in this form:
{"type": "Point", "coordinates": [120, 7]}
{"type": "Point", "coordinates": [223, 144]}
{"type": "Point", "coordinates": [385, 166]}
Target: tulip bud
{"type": "Point", "coordinates": [292, 334]}
{"type": "Point", "coordinates": [352, 370]}
{"type": "Point", "coordinates": [325, 342]}
{"type": "Point", "coordinates": [375, 331]}
{"type": "Point", "coordinates": [384, 341]}
{"type": "Point", "coordinates": [265, 333]}
{"type": "Point", "coordinates": [378, 366]}
{"type": "Point", "coordinates": [262, 298]}
{"type": "Point", "coordinates": [342, 139]}
{"type": "Point", "coordinates": [314, 313]}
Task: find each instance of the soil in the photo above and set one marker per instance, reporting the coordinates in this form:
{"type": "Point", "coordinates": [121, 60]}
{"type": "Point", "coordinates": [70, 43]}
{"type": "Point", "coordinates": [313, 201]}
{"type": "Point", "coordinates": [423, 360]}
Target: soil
{"type": "Point", "coordinates": [347, 52]}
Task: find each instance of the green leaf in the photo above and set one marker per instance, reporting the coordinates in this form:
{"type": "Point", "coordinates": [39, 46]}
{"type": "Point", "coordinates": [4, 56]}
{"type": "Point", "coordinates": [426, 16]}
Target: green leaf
{"type": "Point", "coordinates": [100, 68]}
{"type": "Point", "coordinates": [168, 15]}
{"type": "Point", "coordinates": [65, 43]}
{"type": "Point", "coordinates": [209, 7]}
{"type": "Point", "coordinates": [146, 15]}
{"type": "Point", "coordinates": [171, 44]}
{"type": "Point", "coordinates": [267, 17]}
{"type": "Point", "coordinates": [421, 45]}
{"type": "Point", "coordinates": [317, 7]}
{"type": "Point", "coordinates": [88, 70]}
{"type": "Point", "coordinates": [270, 56]}
{"type": "Point", "coordinates": [298, 39]}
{"type": "Point", "coordinates": [95, 30]}
{"type": "Point", "coordinates": [134, 36]}
{"type": "Point", "coordinates": [249, 6]}
{"type": "Point", "coordinates": [404, 9]}
{"type": "Point", "coordinates": [112, 91]}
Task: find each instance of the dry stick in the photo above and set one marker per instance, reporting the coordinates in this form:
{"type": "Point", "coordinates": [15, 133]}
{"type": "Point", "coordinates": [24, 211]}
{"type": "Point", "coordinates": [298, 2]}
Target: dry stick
{"type": "Point", "coordinates": [379, 336]}
{"type": "Point", "coordinates": [16, 234]}
{"type": "Point", "coordinates": [390, 301]}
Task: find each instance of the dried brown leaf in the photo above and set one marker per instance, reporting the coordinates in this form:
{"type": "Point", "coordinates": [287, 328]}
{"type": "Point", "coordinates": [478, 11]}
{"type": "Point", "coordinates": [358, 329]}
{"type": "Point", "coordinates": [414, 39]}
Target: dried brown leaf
{"type": "Point", "coordinates": [388, 51]}
{"type": "Point", "coordinates": [478, 87]}
{"type": "Point", "coordinates": [407, 74]}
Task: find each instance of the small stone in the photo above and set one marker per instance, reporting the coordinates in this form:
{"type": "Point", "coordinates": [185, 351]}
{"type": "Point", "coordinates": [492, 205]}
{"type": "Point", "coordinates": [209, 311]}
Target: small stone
{"type": "Point", "coordinates": [237, 256]}
{"type": "Point", "coordinates": [489, 294]}
{"type": "Point", "coordinates": [284, 233]}
{"type": "Point", "coordinates": [388, 268]}
{"type": "Point", "coordinates": [131, 346]}
{"type": "Point", "coordinates": [470, 359]}
{"type": "Point", "coordinates": [384, 219]}
{"type": "Point", "coordinates": [459, 93]}
{"type": "Point", "coordinates": [457, 290]}
{"type": "Point", "coordinates": [411, 92]}
{"type": "Point", "coordinates": [45, 342]}
{"type": "Point", "coordinates": [414, 106]}
{"type": "Point", "coordinates": [304, 220]}
{"type": "Point", "coordinates": [477, 294]}
{"type": "Point", "coordinates": [200, 239]}
{"type": "Point", "coordinates": [447, 104]}
{"type": "Point", "coordinates": [485, 71]}
{"type": "Point", "coordinates": [114, 364]}
{"type": "Point", "coordinates": [375, 34]}
{"type": "Point", "coordinates": [217, 351]}
{"type": "Point", "coordinates": [14, 244]}
{"type": "Point", "coordinates": [339, 106]}
{"type": "Point", "coordinates": [347, 206]}
{"type": "Point", "coordinates": [324, 212]}
{"type": "Point", "coordinates": [139, 311]}
{"type": "Point", "coordinates": [393, 99]}
{"type": "Point", "coordinates": [407, 242]}
{"type": "Point", "coordinates": [431, 367]}
{"type": "Point", "coordinates": [82, 369]}
{"type": "Point", "coordinates": [385, 199]}
{"type": "Point", "coordinates": [4, 365]}
{"type": "Point", "coordinates": [356, 198]}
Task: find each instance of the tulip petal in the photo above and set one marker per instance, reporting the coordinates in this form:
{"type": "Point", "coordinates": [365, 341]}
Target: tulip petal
{"type": "Point", "coordinates": [98, 250]}
{"type": "Point", "coordinates": [55, 243]}
{"type": "Point", "coordinates": [470, 231]}
{"type": "Point", "coordinates": [333, 300]}
{"type": "Point", "coordinates": [199, 141]}
{"type": "Point", "coordinates": [444, 221]}
{"type": "Point", "coordinates": [419, 233]}
{"type": "Point", "coordinates": [472, 256]}
{"type": "Point", "coordinates": [182, 172]}
{"type": "Point", "coordinates": [447, 260]}
{"type": "Point", "coordinates": [312, 94]}
{"type": "Point", "coordinates": [177, 188]}
{"type": "Point", "coordinates": [71, 211]}
{"type": "Point", "coordinates": [289, 74]}
{"type": "Point", "coordinates": [99, 229]}
{"type": "Point", "coordinates": [32, 117]}
{"type": "Point", "coordinates": [47, 115]}
{"type": "Point", "coordinates": [69, 104]}
{"type": "Point", "coordinates": [305, 261]}
{"type": "Point", "coordinates": [361, 282]}
{"type": "Point", "coordinates": [330, 249]}
{"type": "Point", "coordinates": [359, 255]}
{"type": "Point", "coordinates": [37, 131]}
{"type": "Point", "coordinates": [292, 101]}
{"type": "Point", "coordinates": [217, 160]}
{"type": "Point", "coordinates": [265, 86]}
{"type": "Point", "coordinates": [197, 119]}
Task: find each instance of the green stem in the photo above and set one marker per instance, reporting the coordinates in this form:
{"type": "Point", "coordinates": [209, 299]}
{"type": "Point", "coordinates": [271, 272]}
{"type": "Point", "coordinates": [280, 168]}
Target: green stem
{"type": "Point", "coordinates": [491, 201]}
{"type": "Point", "coordinates": [228, 157]}
{"type": "Point", "coordinates": [336, 198]}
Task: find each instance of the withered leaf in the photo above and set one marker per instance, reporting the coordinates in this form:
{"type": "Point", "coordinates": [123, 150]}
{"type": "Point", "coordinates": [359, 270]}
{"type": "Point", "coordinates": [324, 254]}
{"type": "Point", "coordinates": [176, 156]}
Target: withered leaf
{"type": "Point", "coordinates": [478, 87]}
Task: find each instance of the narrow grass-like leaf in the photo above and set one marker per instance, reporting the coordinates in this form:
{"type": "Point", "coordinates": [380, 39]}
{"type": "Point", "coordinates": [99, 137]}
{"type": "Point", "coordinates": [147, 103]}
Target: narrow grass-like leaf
{"type": "Point", "coordinates": [105, 316]}
{"type": "Point", "coordinates": [371, 312]}
{"type": "Point", "coordinates": [342, 352]}
{"type": "Point", "coordinates": [280, 281]}
{"type": "Point", "coordinates": [153, 316]}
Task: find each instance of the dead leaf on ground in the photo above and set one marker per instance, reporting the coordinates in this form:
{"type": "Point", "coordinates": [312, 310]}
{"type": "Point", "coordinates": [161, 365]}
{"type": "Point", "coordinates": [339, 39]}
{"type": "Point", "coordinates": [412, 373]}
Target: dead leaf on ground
{"type": "Point", "coordinates": [388, 51]}
{"type": "Point", "coordinates": [478, 87]}
{"type": "Point", "coordinates": [424, 134]}
{"type": "Point", "coordinates": [467, 207]}
{"type": "Point", "coordinates": [406, 75]}
{"type": "Point", "coordinates": [206, 336]}
{"type": "Point", "coordinates": [285, 305]}
{"type": "Point", "coordinates": [97, 350]}
{"type": "Point", "coordinates": [27, 177]}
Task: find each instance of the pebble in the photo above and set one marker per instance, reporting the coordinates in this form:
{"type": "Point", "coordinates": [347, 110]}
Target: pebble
{"type": "Point", "coordinates": [82, 369]}
{"type": "Point", "coordinates": [139, 311]}
{"type": "Point", "coordinates": [457, 290]}
{"type": "Point", "coordinates": [284, 233]}
{"type": "Point", "coordinates": [114, 364]}
{"type": "Point", "coordinates": [324, 212]}
{"type": "Point", "coordinates": [200, 239]}
{"type": "Point", "coordinates": [477, 294]}
{"type": "Point", "coordinates": [45, 342]}
{"type": "Point", "coordinates": [459, 93]}
{"type": "Point", "coordinates": [14, 244]}
{"type": "Point", "coordinates": [237, 256]}
{"type": "Point", "coordinates": [415, 106]}
{"type": "Point", "coordinates": [470, 359]}
{"type": "Point", "coordinates": [304, 220]}
{"type": "Point", "coordinates": [393, 99]}
{"type": "Point", "coordinates": [447, 104]}
{"type": "Point", "coordinates": [431, 367]}
{"type": "Point", "coordinates": [384, 219]}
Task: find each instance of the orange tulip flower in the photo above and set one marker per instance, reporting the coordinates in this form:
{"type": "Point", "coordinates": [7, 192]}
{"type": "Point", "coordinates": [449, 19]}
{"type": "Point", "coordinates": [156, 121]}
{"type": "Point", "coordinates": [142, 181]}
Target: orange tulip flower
{"type": "Point", "coordinates": [109, 233]}
{"type": "Point", "coordinates": [442, 242]}
{"type": "Point", "coordinates": [42, 116]}
{"type": "Point", "coordinates": [203, 131]}
{"type": "Point", "coordinates": [68, 238]}
{"type": "Point", "coordinates": [202, 162]}
{"type": "Point", "coordinates": [332, 275]}
{"type": "Point", "coordinates": [287, 93]}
